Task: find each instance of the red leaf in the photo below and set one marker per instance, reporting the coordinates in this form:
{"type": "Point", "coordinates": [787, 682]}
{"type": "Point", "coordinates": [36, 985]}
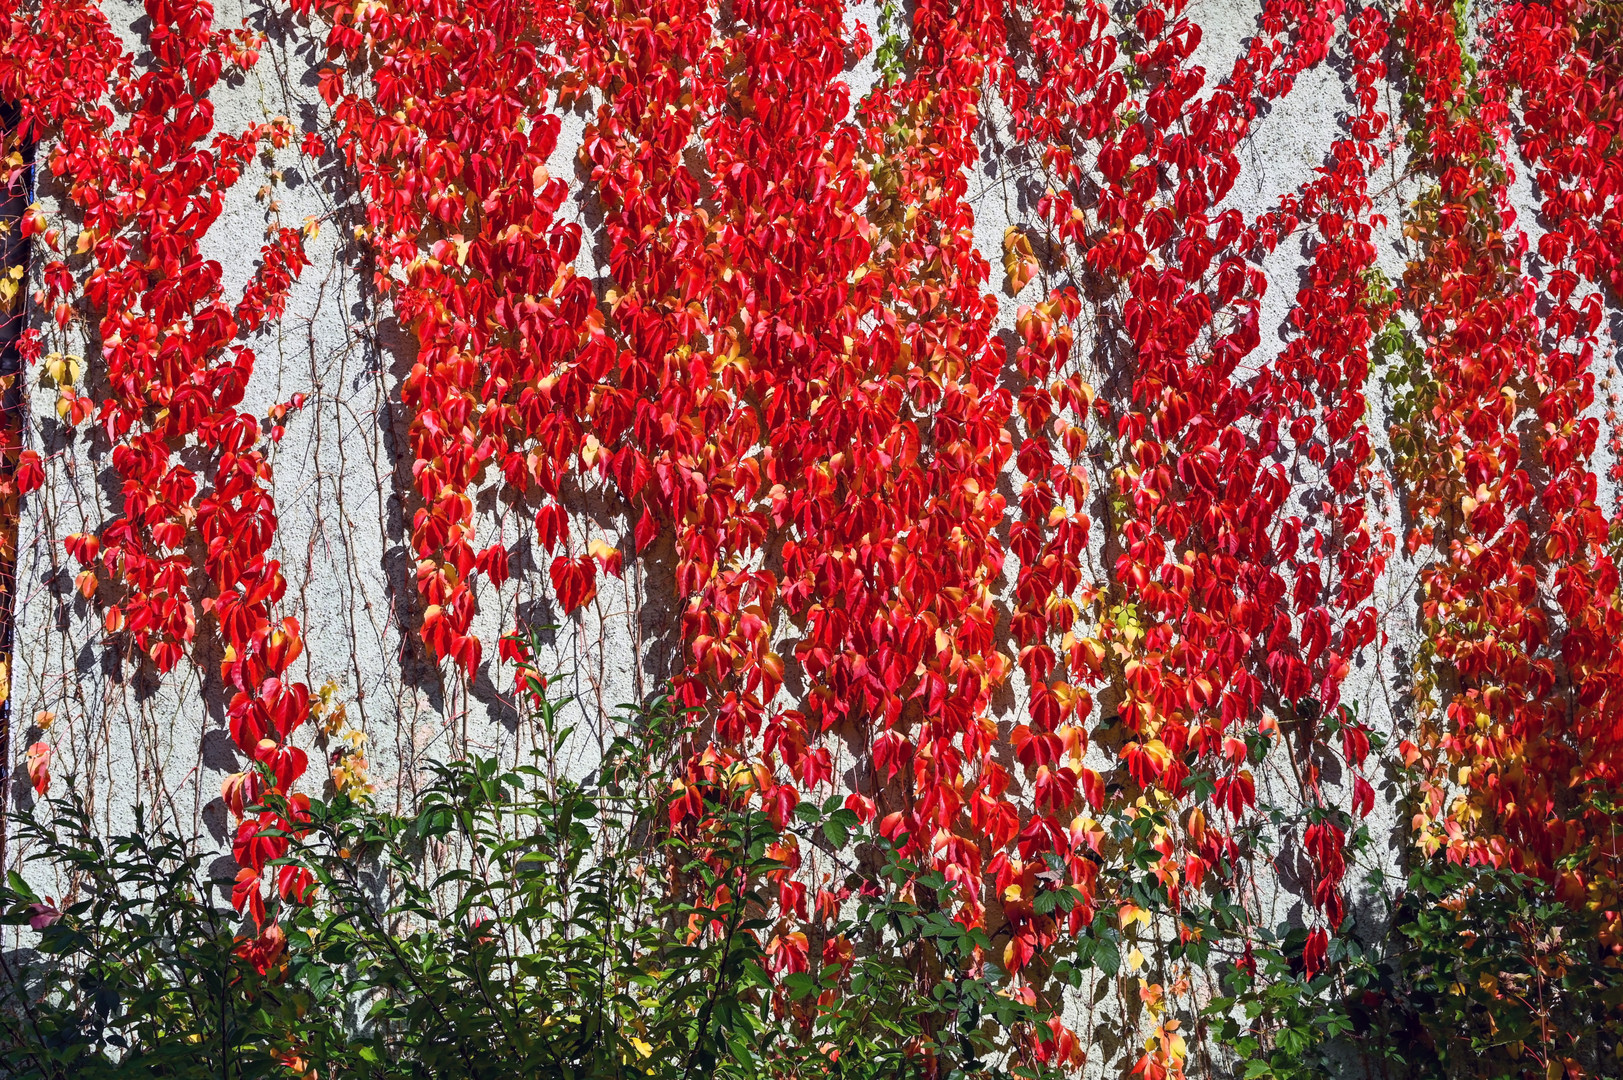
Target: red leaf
{"type": "Point", "coordinates": [552, 523]}
{"type": "Point", "coordinates": [39, 766]}
{"type": "Point", "coordinates": [492, 563]}
{"type": "Point", "coordinates": [574, 581]}
{"type": "Point", "coordinates": [331, 85]}
{"type": "Point", "coordinates": [1363, 797]}
{"type": "Point", "coordinates": [1314, 952]}
{"type": "Point", "coordinates": [30, 472]}
{"type": "Point", "coordinates": [82, 546]}
{"type": "Point", "coordinates": [165, 654]}
{"type": "Point", "coordinates": [647, 530]}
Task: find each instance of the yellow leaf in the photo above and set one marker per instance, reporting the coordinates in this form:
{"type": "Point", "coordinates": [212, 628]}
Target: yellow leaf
{"type": "Point", "coordinates": [1131, 913]}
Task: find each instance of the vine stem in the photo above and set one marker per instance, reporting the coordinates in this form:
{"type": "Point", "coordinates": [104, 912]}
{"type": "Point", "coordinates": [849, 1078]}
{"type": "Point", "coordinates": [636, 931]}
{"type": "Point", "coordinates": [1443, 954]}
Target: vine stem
{"type": "Point", "coordinates": [14, 252]}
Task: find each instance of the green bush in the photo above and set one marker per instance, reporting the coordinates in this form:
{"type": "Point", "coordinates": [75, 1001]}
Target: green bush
{"type": "Point", "coordinates": [1486, 976]}
{"type": "Point", "coordinates": [1479, 974]}
{"type": "Point", "coordinates": [516, 923]}
{"type": "Point", "coordinates": [137, 975]}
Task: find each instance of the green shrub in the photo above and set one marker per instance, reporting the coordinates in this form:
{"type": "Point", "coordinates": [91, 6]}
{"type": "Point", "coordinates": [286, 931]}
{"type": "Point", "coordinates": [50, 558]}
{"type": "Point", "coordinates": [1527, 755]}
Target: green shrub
{"type": "Point", "coordinates": [515, 923]}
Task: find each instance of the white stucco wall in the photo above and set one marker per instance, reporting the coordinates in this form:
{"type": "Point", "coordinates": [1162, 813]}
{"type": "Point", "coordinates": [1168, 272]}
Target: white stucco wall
{"type": "Point", "coordinates": [341, 474]}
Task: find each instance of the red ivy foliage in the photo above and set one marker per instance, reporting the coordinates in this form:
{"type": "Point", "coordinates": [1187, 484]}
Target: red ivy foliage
{"type": "Point", "coordinates": [450, 146]}
{"type": "Point", "coordinates": [791, 374]}
{"type": "Point", "coordinates": [143, 193]}
{"type": "Point", "coordinates": [1521, 603]}
{"type": "Point", "coordinates": [1219, 603]}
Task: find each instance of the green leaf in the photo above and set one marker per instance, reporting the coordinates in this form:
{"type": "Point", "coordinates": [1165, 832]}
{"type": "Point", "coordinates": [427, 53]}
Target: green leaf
{"type": "Point", "coordinates": [800, 985]}
{"type": "Point", "coordinates": [1107, 957]}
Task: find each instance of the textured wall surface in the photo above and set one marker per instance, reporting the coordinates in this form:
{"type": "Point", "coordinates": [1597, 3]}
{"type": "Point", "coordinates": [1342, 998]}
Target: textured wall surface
{"type": "Point", "coordinates": [341, 472]}
{"type": "Point", "coordinates": [343, 486]}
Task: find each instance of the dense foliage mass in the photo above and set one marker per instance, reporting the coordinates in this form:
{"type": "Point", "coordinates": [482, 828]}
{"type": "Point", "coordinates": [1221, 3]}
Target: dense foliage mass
{"type": "Point", "coordinates": [552, 948]}
{"type": "Point", "coordinates": [789, 385]}
{"type": "Point", "coordinates": [551, 943]}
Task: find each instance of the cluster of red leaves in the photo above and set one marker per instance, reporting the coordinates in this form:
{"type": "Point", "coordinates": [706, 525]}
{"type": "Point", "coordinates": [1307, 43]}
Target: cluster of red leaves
{"type": "Point", "coordinates": [792, 373]}
{"type": "Point", "coordinates": [144, 193]}
{"type": "Point", "coordinates": [449, 142]}
{"type": "Point", "coordinates": [1219, 607]}
{"type": "Point", "coordinates": [940, 751]}
{"type": "Point", "coordinates": [812, 401]}
{"type": "Point", "coordinates": [1521, 603]}
{"type": "Point", "coordinates": [21, 470]}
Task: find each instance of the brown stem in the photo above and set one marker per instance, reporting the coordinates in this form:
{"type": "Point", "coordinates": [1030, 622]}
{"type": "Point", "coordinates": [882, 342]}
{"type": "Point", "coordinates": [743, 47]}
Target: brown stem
{"type": "Point", "coordinates": [14, 251]}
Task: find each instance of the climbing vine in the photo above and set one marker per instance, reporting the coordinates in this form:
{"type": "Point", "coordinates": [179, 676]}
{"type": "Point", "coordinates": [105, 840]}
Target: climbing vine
{"type": "Point", "coordinates": [896, 508]}
{"type": "Point", "coordinates": [143, 181]}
